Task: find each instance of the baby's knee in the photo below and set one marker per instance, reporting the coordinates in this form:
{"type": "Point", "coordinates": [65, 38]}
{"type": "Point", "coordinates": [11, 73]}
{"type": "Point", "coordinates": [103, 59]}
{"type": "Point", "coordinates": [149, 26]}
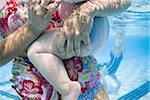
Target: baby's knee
{"type": "Point", "coordinates": [31, 52]}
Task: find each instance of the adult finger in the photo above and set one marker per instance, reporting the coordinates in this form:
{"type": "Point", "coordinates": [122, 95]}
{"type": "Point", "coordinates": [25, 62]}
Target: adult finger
{"type": "Point", "coordinates": [77, 44]}
{"type": "Point", "coordinates": [61, 44]}
{"type": "Point", "coordinates": [48, 15]}
{"type": "Point", "coordinates": [29, 3]}
{"type": "Point", "coordinates": [84, 50]}
{"type": "Point", "coordinates": [38, 9]}
{"type": "Point", "coordinates": [86, 40]}
{"type": "Point", "coordinates": [33, 2]}
{"type": "Point", "coordinates": [53, 6]}
{"type": "Point", "coordinates": [45, 2]}
{"type": "Point", "coordinates": [70, 50]}
{"type": "Point", "coordinates": [31, 13]}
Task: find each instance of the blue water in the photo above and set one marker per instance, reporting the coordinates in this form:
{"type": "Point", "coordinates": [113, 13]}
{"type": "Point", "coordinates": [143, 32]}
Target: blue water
{"type": "Point", "coordinates": [134, 68]}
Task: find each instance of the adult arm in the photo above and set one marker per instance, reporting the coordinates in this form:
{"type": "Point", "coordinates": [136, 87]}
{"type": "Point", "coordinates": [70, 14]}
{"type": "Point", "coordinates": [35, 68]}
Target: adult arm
{"type": "Point", "coordinates": [105, 8]}
{"type": "Point", "coordinates": [79, 24]}
{"type": "Point", "coordinates": [74, 1]}
{"type": "Point", "coordinates": [16, 43]}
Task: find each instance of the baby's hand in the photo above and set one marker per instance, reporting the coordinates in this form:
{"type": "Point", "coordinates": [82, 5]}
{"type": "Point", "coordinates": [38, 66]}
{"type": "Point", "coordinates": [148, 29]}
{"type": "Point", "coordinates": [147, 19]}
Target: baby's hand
{"type": "Point", "coordinates": [40, 15]}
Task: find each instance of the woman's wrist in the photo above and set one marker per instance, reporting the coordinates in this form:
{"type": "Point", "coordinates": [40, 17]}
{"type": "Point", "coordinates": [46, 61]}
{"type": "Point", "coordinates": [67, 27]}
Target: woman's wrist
{"type": "Point", "coordinates": [105, 8]}
{"type": "Point", "coordinates": [87, 8]}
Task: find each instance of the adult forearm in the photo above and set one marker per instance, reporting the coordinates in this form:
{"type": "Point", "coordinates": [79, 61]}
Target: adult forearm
{"type": "Point", "coordinates": [16, 43]}
{"type": "Point", "coordinates": [74, 1]}
{"type": "Point", "coordinates": [105, 8]}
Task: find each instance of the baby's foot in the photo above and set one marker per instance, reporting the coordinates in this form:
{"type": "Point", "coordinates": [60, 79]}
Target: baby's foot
{"type": "Point", "coordinates": [74, 91]}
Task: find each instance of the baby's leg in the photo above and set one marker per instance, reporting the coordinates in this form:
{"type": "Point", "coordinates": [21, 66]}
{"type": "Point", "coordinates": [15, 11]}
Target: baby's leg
{"type": "Point", "coordinates": [52, 68]}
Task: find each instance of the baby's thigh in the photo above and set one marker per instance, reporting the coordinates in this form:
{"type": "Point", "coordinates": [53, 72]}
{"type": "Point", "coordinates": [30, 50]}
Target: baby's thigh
{"type": "Point", "coordinates": [46, 43]}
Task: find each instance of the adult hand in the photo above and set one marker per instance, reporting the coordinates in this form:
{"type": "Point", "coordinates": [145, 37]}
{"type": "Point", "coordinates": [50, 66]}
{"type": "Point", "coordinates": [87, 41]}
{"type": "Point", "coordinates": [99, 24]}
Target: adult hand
{"type": "Point", "coordinates": [40, 14]}
{"type": "Point", "coordinates": [77, 29]}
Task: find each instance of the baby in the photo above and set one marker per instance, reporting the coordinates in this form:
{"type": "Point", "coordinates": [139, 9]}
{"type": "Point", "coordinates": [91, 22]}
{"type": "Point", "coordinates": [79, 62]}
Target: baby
{"type": "Point", "coordinates": [45, 55]}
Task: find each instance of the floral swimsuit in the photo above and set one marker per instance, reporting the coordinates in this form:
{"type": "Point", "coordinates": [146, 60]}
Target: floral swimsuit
{"type": "Point", "coordinates": [27, 80]}
{"type": "Point", "coordinates": [29, 83]}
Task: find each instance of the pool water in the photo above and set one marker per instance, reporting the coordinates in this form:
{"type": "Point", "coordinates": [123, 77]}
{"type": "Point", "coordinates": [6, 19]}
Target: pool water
{"type": "Point", "coordinates": [134, 69]}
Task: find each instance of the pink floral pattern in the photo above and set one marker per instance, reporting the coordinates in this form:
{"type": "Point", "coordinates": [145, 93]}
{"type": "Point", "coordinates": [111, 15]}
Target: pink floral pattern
{"type": "Point", "coordinates": [36, 87]}
{"type": "Point", "coordinates": [29, 83]}
{"type": "Point", "coordinates": [78, 64]}
{"type": "Point", "coordinates": [12, 19]}
{"type": "Point", "coordinates": [75, 69]}
{"type": "Point", "coordinates": [30, 88]}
